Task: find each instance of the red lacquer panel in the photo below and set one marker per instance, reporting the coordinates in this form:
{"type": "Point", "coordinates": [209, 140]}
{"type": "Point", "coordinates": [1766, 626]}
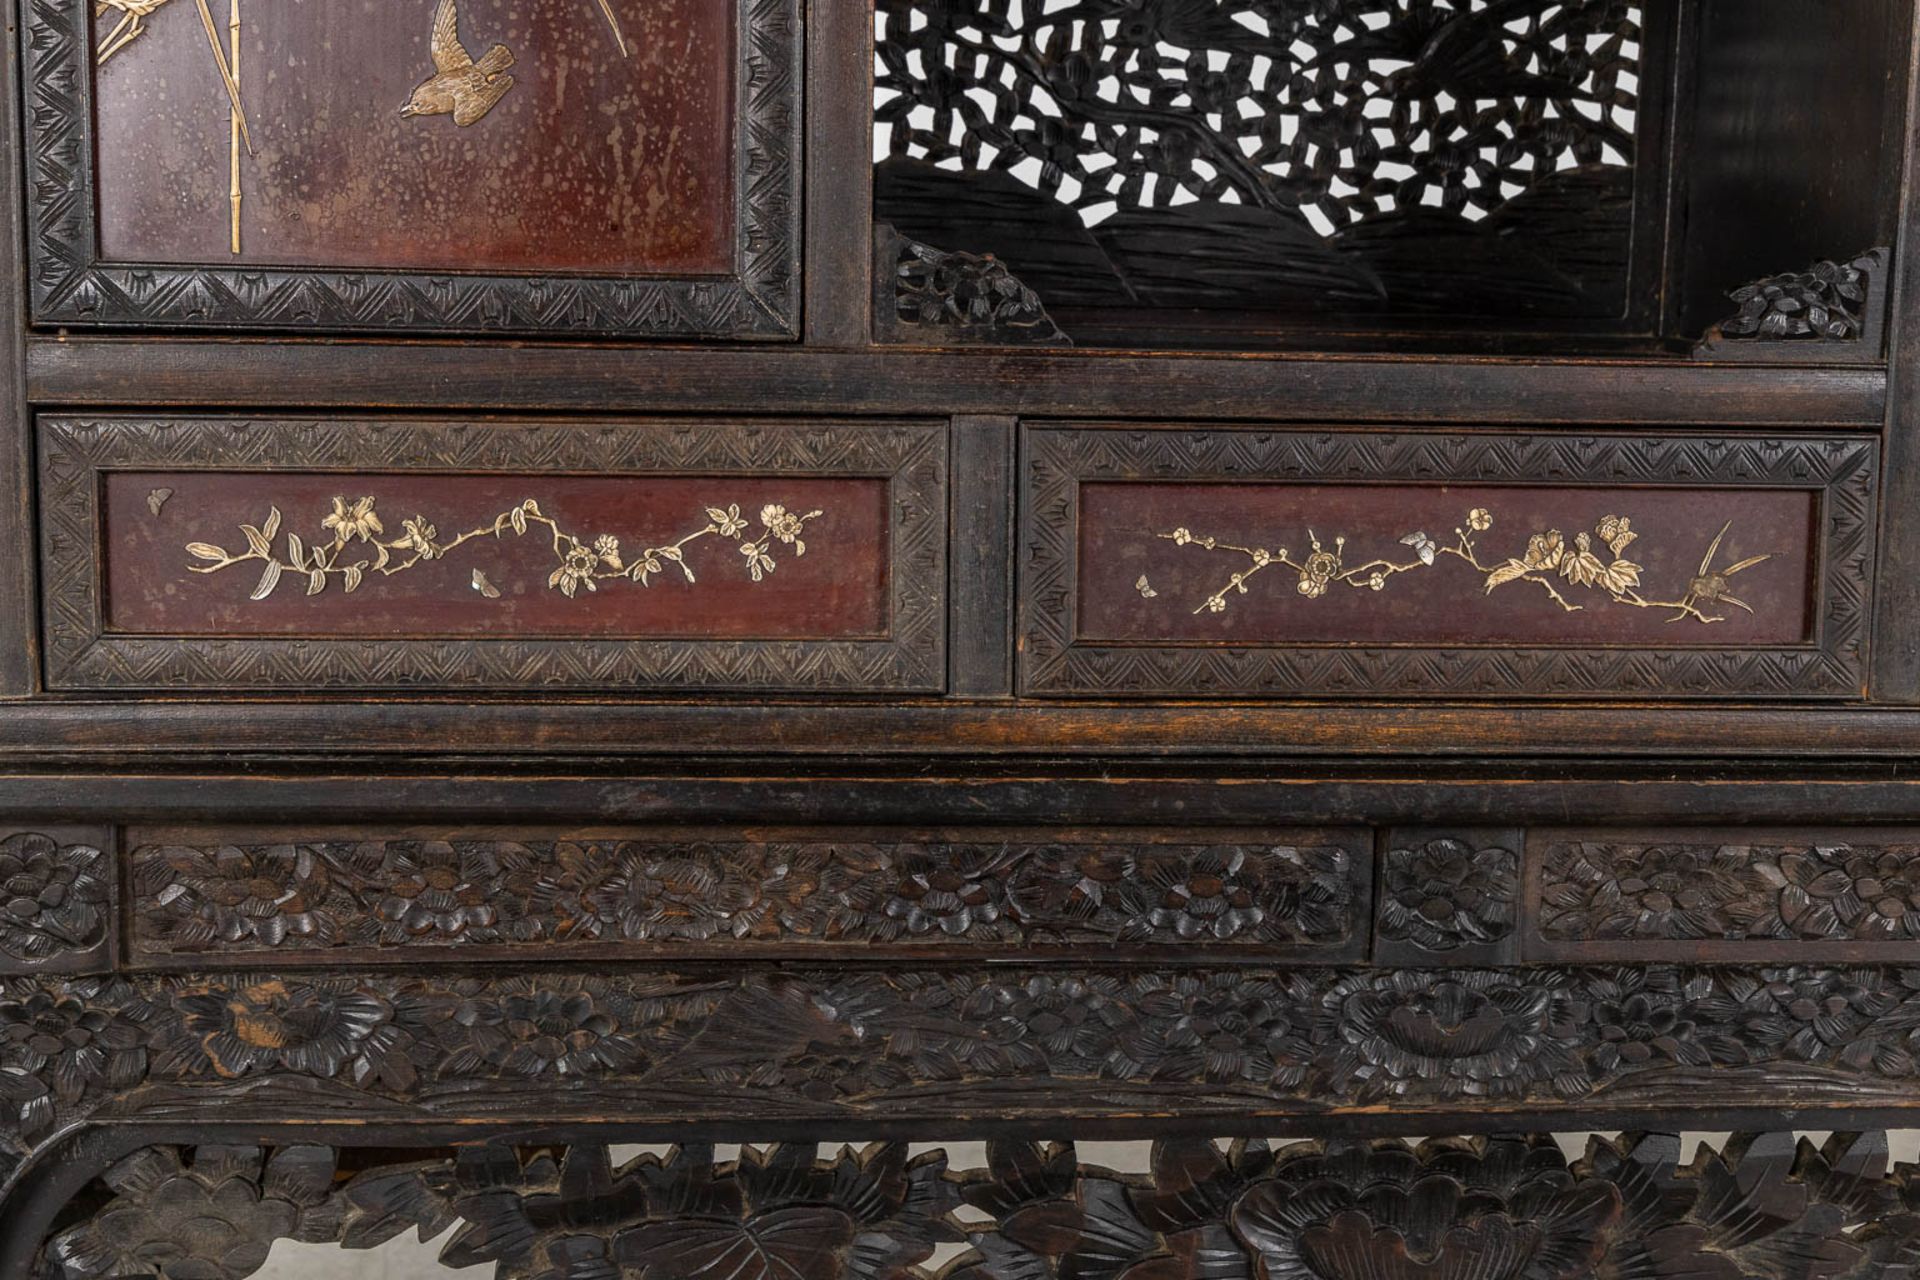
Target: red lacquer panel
{"type": "Point", "coordinates": [179, 559]}
{"type": "Point", "coordinates": [1496, 565]}
{"type": "Point", "coordinates": [592, 160]}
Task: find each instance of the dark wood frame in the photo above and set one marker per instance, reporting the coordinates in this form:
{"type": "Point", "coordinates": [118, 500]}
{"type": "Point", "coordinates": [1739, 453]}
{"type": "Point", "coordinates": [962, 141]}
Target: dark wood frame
{"type": "Point", "coordinates": [1057, 458]}
{"type": "Point", "coordinates": [73, 285]}
{"type": "Point", "coordinates": [981, 758]}
{"type": "Point", "coordinates": [910, 657]}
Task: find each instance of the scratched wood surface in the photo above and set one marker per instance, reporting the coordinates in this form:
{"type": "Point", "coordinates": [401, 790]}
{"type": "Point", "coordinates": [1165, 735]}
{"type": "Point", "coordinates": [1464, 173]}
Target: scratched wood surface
{"type": "Point", "coordinates": [593, 161]}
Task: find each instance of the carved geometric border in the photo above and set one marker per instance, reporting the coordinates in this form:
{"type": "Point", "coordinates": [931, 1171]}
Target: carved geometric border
{"type": "Point", "coordinates": [80, 655]}
{"type": "Point", "coordinates": [71, 285]}
{"type": "Point", "coordinates": [1056, 459]}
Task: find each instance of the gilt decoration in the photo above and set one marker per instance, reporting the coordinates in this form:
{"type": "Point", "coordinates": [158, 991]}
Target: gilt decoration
{"type": "Point", "coordinates": [75, 281]}
{"type": "Point", "coordinates": [1549, 561]}
{"type": "Point", "coordinates": [581, 564]}
{"type": "Point", "coordinates": [1160, 652]}
{"type": "Point", "coordinates": [909, 459]}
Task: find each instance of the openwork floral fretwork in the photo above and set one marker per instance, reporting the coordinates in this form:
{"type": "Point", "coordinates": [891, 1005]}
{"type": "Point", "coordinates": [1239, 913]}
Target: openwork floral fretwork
{"type": "Point", "coordinates": [1815, 892]}
{"type": "Point", "coordinates": [581, 565]}
{"type": "Point", "coordinates": [1548, 561]}
{"type": "Point", "coordinates": [213, 1216]}
{"type": "Point", "coordinates": [1340, 110]}
{"type": "Point", "coordinates": [420, 893]}
{"type": "Point", "coordinates": [1499, 1208]}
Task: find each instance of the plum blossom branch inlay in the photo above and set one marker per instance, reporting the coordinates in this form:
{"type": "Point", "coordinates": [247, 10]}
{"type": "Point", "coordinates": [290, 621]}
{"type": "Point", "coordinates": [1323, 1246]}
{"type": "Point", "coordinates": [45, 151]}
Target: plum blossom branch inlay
{"type": "Point", "coordinates": [580, 564]}
{"type": "Point", "coordinates": [1547, 556]}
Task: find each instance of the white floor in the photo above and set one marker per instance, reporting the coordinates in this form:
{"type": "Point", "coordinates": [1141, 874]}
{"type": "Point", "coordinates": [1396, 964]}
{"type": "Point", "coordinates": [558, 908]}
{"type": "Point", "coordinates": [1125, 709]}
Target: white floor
{"type": "Point", "coordinates": [407, 1259]}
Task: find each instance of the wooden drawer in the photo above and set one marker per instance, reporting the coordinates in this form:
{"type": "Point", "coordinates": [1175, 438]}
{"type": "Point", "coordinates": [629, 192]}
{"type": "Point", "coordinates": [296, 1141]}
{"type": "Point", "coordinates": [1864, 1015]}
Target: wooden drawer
{"type": "Point", "coordinates": [279, 896]}
{"type": "Point", "coordinates": [229, 554]}
{"type": "Point", "coordinates": [349, 895]}
{"type": "Point", "coordinates": [1727, 895]}
{"type": "Point", "coordinates": [1236, 562]}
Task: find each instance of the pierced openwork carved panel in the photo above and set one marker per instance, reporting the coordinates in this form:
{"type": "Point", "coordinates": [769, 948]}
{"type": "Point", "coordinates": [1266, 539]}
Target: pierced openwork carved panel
{"type": "Point", "coordinates": [280, 554]}
{"type": "Point", "coordinates": [1242, 561]}
{"type": "Point", "coordinates": [1835, 894]}
{"type": "Point", "coordinates": [577, 166]}
{"type": "Point", "coordinates": [1360, 158]}
{"type": "Point", "coordinates": [716, 895]}
{"type": "Point", "coordinates": [1760, 1204]}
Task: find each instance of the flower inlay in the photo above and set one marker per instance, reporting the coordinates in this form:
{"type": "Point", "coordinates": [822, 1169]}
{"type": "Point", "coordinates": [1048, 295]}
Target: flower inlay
{"type": "Point", "coordinates": [581, 563]}
{"type": "Point", "coordinates": [1548, 561]}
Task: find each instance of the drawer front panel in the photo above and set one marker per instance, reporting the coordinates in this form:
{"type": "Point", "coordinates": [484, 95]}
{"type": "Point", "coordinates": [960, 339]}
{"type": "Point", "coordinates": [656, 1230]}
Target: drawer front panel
{"type": "Point", "coordinates": [223, 554]}
{"type": "Point", "coordinates": [1731, 895]}
{"type": "Point", "coordinates": [1232, 562]}
{"type": "Point", "coordinates": [213, 896]}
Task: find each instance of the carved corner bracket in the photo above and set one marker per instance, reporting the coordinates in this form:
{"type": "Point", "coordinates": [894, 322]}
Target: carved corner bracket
{"type": "Point", "coordinates": [1834, 310]}
{"type": "Point", "coordinates": [928, 295]}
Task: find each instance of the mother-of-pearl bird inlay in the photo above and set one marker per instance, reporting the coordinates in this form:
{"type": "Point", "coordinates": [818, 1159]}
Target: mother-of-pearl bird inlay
{"type": "Point", "coordinates": [459, 86]}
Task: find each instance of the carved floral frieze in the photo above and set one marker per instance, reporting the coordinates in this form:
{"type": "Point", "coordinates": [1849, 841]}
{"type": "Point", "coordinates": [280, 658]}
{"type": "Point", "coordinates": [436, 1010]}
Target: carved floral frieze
{"type": "Point", "coordinates": [1815, 891]}
{"type": "Point", "coordinates": [423, 893]}
{"type": "Point", "coordinates": [853, 1041]}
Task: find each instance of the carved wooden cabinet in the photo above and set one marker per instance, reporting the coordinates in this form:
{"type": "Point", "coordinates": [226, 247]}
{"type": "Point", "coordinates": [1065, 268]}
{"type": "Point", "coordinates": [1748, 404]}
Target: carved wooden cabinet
{"type": "Point", "coordinates": [1325, 584]}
